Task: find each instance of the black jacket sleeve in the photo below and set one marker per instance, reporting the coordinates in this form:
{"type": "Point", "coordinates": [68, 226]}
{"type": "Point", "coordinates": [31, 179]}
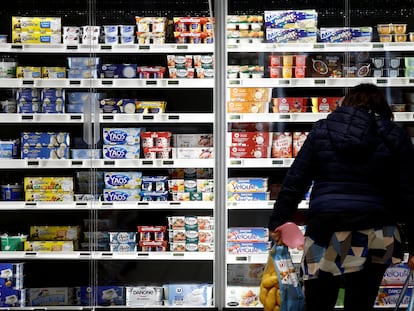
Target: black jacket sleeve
{"type": "Point", "coordinates": [294, 187]}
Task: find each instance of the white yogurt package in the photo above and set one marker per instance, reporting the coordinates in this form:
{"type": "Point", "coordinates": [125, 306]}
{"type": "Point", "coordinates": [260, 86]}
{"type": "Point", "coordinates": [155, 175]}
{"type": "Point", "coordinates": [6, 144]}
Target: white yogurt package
{"type": "Point", "coordinates": [126, 180]}
{"type": "Point", "coordinates": [142, 296]}
{"type": "Point", "coordinates": [121, 152]}
{"type": "Point", "coordinates": [121, 195]}
{"type": "Point", "coordinates": [122, 136]}
{"type": "Point", "coordinates": [188, 294]}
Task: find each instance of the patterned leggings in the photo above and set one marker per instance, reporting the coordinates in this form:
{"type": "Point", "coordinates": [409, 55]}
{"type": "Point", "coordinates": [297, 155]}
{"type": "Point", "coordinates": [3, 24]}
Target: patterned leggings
{"type": "Point", "coordinates": [361, 289]}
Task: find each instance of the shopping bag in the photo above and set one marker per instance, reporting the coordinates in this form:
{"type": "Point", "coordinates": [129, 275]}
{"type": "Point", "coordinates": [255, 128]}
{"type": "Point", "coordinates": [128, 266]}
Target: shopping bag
{"type": "Point", "coordinates": [403, 293]}
{"type": "Point", "coordinates": [280, 288]}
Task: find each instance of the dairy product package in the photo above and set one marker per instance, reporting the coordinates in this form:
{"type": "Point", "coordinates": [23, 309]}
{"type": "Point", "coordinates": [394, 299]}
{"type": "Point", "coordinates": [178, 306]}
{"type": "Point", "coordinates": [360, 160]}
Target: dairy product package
{"type": "Point", "coordinates": [247, 184]}
{"type": "Point", "coordinates": [11, 275]}
{"type": "Point", "coordinates": [10, 297]}
{"type": "Point", "coordinates": [50, 296]}
{"type": "Point", "coordinates": [61, 233]}
{"type": "Point", "coordinates": [122, 194]}
{"type": "Point", "coordinates": [48, 183]}
{"type": "Point", "coordinates": [188, 294]}
{"type": "Point", "coordinates": [121, 152]}
{"type": "Point", "coordinates": [126, 180]}
{"type": "Point", "coordinates": [142, 296]}
{"type": "Point", "coordinates": [243, 296]}
{"type": "Point", "coordinates": [121, 136]}
{"type": "Point", "coordinates": [105, 295]}
{"type": "Point", "coordinates": [48, 246]}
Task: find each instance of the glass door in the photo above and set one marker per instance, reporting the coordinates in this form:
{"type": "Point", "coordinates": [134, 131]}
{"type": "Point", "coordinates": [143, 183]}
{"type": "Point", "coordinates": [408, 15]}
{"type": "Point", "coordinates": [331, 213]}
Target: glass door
{"type": "Point", "coordinates": [288, 65]}
{"type": "Point", "coordinates": [109, 106]}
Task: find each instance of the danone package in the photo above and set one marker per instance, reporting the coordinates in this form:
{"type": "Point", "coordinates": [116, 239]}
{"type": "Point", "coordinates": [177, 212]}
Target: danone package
{"type": "Point", "coordinates": [280, 288]}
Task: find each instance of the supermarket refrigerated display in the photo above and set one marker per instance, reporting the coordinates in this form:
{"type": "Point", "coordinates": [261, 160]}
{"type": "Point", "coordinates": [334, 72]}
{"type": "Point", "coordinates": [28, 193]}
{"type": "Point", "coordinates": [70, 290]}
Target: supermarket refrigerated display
{"type": "Point", "coordinates": [283, 76]}
{"type": "Point", "coordinates": [194, 106]}
{"type": "Point", "coordinates": [133, 194]}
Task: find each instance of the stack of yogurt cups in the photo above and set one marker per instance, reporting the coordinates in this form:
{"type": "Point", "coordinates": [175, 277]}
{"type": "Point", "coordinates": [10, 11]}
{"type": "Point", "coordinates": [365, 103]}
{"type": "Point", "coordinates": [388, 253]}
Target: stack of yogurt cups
{"type": "Point", "coordinates": [108, 34]}
{"type": "Point", "coordinates": [115, 34]}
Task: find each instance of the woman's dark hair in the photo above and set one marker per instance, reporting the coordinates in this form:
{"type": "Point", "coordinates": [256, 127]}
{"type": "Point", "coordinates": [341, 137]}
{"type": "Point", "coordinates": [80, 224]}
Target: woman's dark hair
{"type": "Point", "coordinates": [370, 97]}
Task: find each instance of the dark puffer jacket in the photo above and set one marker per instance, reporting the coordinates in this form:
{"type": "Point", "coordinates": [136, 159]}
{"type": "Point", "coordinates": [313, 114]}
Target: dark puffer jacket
{"type": "Point", "coordinates": [362, 169]}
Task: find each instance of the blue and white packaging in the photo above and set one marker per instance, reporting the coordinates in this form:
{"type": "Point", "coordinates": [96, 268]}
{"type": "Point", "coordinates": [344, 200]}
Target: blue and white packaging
{"type": "Point", "coordinates": [83, 73]}
{"type": "Point", "coordinates": [9, 149]}
{"type": "Point", "coordinates": [45, 139]}
{"type": "Point", "coordinates": [142, 296]}
{"type": "Point", "coordinates": [291, 18]}
{"type": "Point", "coordinates": [361, 34]}
{"type": "Point", "coordinates": [117, 105]}
{"type": "Point", "coordinates": [154, 183]}
{"type": "Point", "coordinates": [12, 297]}
{"type": "Point", "coordinates": [111, 195]}
{"type": "Point", "coordinates": [83, 97]}
{"type": "Point", "coordinates": [27, 94]}
{"type": "Point", "coordinates": [32, 106]}
{"type": "Point", "coordinates": [83, 62]}
{"type": "Point", "coordinates": [335, 34]}
{"type": "Point", "coordinates": [121, 151]}
{"type": "Point", "coordinates": [45, 153]}
{"type": "Point", "coordinates": [11, 275]}
{"type": "Point", "coordinates": [125, 180]}
{"type": "Point", "coordinates": [277, 35]}
{"type": "Point", "coordinates": [86, 153]}
{"type": "Point", "coordinates": [154, 196]}
{"type": "Point", "coordinates": [122, 136]}
{"type": "Point", "coordinates": [50, 296]}
{"type": "Point", "coordinates": [105, 295]}
{"type": "Point", "coordinates": [123, 247]}
{"type": "Point", "coordinates": [52, 100]}
{"type": "Point", "coordinates": [127, 71]}
{"type": "Point", "coordinates": [122, 237]}
{"type": "Point", "coordinates": [183, 295]}
{"type": "Point", "coordinates": [248, 196]}
{"type": "Point", "coordinates": [28, 100]}
{"type": "Point", "coordinates": [78, 102]}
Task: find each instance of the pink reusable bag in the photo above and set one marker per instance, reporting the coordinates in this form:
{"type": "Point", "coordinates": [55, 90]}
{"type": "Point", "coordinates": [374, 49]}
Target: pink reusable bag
{"type": "Point", "coordinates": [292, 237]}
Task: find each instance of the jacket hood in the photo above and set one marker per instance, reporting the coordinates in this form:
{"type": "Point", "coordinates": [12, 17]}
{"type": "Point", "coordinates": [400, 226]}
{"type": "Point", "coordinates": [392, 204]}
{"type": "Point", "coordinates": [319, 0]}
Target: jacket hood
{"type": "Point", "coordinates": [353, 131]}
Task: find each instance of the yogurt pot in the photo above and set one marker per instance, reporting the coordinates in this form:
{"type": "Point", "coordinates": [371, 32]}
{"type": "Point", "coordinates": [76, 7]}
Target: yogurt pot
{"type": "Point", "coordinates": [72, 30]}
{"type": "Point", "coordinates": [127, 39]}
{"type": "Point", "coordinates": [110, 30]}
{"type": "Point", "coordinates": [127, 30]}
{"type": "Point", "coordinates": [111, 39]}
{"type": "Point", "coordinates": [91, 30]}
{"type": "Point", "coordinates": [3, 38]}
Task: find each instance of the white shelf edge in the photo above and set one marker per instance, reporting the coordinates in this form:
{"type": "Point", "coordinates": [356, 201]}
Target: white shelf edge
{"type": "Point", "coordinates": [208, 205]}
{"type": "Point", "coordinates": [247, 205]}
{"type": "Point", "coordinates": [321, 82]}
{"type": "Point", "coordinates": [204, 48]}
{"type": "Point", "coordinates": [177, 117]}
{"type": "Point", "coordinates": [299, 117]}
{"type": "Point", "coordinates": [101, 205]}
{"type": "Point", "coordinates": [156, 255]}
{"type": "Point", "coordinates": [106, 83]}
{"type": "Point", "coordinates": [263, 162]}
{"type": "Point", "coordinates": [321, 47]}
{"type": "Point", "coordinates": [246, 258]}
{"type": "Point", "coordinates": [104, 163]}
{"type": "Point", "coordinates": [105, 48]}
{"type": "Point", "coordinates": [161, 117]}
{"type": "Point", "coordinates": [107, 255]}
{"type": "Point", "coordinates": [238, 205]}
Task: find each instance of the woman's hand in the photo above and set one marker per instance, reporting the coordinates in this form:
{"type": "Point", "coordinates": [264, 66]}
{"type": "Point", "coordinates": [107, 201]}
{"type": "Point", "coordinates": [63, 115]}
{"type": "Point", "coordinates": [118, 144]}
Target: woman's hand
{"type": "Point", "coordinates": [277, 237]}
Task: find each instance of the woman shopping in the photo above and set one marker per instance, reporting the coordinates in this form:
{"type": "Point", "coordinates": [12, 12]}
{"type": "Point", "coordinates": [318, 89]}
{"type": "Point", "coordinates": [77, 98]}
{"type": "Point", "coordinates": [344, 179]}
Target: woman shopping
{"type": "Point", "coordinates": [360, 164]}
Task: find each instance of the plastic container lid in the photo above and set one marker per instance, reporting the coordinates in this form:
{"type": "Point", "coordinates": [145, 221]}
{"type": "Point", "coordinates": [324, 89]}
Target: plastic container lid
{"type": "Point", "coordinates": [292, 236]}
